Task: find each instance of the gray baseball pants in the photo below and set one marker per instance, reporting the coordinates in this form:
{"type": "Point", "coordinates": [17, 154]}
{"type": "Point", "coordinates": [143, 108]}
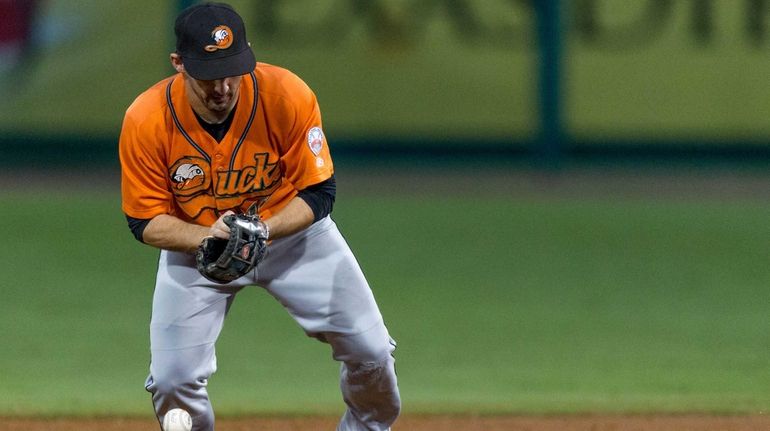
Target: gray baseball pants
{"type": "Point", "coordinates": [315, 276]}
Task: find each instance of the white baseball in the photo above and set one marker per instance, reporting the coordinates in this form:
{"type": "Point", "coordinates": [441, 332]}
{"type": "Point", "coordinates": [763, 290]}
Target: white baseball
{"type": "Point", "coordinates": [177, 420]}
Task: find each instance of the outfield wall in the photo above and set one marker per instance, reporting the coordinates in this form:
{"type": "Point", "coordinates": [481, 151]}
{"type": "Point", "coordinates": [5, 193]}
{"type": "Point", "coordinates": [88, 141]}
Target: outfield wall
{"type": "Point", "coordinates": [501, 77]}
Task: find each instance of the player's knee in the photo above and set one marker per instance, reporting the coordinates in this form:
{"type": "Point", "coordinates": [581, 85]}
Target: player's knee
{"type": "Point", "coordinates": [175, 382]}
{"type": "Point", "coordinates": [181, 373]}
{"type": "Point", "coordinates": [373, 345]}
{"type": "Point", "coordinates": [380, 375]}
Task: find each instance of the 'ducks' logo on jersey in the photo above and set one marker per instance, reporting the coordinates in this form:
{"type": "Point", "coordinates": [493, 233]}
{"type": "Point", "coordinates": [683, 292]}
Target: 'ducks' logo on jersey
{"type": "Point", "coordinates": [197, 188]}
{"type": "Point", "coordinates": [262, 178]}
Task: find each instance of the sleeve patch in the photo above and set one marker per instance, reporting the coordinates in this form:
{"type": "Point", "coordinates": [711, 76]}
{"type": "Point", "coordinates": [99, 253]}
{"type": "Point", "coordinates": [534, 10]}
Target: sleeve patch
{"type": "Point", "coordinates": [315, 139]}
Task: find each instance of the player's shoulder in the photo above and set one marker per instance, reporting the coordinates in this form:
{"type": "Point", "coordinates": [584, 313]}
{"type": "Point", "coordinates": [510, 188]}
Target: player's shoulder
{"type": "Point", "coordinates": [278, 82]}
{"type": "Point", "coordinates": [150, 103]}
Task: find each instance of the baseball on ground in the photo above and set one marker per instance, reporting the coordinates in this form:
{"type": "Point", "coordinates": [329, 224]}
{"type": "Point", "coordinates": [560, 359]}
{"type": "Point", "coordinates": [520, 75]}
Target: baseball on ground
{"type": "Point", "coordinates": [177, 420]}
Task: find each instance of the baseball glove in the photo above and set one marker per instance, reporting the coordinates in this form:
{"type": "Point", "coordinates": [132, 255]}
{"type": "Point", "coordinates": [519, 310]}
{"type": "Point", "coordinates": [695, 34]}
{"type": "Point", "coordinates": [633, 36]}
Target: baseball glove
{"type": "Point", "coordinates": [224, 260]}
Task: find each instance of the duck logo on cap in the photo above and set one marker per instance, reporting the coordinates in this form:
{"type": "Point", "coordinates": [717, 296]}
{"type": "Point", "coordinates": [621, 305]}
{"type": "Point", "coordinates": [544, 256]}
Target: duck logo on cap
{"type": "Point", "coordinates": [223, 38]}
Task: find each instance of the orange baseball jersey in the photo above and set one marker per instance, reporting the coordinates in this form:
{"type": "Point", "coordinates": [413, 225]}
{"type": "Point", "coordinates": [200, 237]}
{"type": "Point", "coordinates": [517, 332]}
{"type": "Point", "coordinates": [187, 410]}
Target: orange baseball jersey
{"type": "Point", "coordinates": [274, 147]}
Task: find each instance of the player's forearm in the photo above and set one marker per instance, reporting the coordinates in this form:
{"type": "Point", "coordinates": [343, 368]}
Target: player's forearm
{"type": "Point", "coordinates": [170, 233]}
{"type": "Point", "coordinates": [292, 218]}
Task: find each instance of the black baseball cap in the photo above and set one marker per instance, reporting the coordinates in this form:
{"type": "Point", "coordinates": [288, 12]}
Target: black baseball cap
{"type": "Point", "coordinates": [211, 39]}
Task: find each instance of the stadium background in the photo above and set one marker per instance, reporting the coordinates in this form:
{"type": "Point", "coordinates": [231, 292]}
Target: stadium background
{"type": "Point", "coordinates": [561, 206]}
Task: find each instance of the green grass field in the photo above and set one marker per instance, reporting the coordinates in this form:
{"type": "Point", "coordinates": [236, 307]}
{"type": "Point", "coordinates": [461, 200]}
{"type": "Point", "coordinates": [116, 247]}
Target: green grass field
{"type": "Point", "coordinates": [499, 305]}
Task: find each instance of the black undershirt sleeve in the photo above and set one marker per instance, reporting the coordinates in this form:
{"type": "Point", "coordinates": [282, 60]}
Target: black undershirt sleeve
{"type": "Point", "coordinates": [320, 197]}
{"type": "Point", "coordinates": [137, 226]}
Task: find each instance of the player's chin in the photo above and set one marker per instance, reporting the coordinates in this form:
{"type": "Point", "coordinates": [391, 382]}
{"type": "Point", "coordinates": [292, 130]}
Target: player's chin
{"type": "Point", "coordinates": [220, 105]}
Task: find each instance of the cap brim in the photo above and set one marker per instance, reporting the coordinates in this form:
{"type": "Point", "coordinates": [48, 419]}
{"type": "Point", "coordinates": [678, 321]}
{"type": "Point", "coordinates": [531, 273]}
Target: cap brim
{"type": "Point", "coordinates": [219, 68]}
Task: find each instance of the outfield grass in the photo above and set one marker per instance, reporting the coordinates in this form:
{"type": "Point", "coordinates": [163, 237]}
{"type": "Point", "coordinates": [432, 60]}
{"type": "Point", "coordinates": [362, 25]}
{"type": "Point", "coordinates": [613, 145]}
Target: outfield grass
{"type": "Point", "coordinates": [499, 305]}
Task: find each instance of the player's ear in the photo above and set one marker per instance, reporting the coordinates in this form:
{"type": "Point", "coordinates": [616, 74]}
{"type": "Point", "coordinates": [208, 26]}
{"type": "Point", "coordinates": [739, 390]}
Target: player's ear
{"type": "Point", "coordinates": [176, 62]}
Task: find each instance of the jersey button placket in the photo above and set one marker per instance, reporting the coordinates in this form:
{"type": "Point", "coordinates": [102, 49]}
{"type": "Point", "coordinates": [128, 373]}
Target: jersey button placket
{"type": "Point", "coordinates": [218, 167]}
{"type": "Point", "coordinates": [218, 157]}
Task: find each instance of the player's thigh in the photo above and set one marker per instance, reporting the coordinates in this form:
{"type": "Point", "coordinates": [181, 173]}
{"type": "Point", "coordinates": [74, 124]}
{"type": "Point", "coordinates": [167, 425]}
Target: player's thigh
{"type": "Point", "coordinates": [185, 311]}
{"type": "Point", "coordinates": [315, 275]}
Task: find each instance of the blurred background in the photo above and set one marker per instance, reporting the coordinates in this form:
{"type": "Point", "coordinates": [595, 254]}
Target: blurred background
{"type": "Point", "coordinates": [509, 78]}
{"type": "Point", "coordinates": [561, 205]}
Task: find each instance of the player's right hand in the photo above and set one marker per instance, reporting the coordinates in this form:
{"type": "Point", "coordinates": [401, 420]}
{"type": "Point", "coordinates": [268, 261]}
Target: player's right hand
{"type": "Point", "coordinates": [219, 229]}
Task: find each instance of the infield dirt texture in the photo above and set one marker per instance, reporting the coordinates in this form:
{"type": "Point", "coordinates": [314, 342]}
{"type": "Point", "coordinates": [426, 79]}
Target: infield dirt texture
{"type": "Point", "coordinates": [580, 300]}
{"type": "Point", "coordinates": [430, 423]}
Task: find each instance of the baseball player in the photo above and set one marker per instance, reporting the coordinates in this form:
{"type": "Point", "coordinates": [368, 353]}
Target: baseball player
{"type": "Point", "coordinates": [222, 134]}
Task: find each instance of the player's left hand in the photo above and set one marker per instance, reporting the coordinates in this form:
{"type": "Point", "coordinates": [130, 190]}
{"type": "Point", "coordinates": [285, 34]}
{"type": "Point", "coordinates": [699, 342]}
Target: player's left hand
{"type": "Point", "coordinates": [224, 260]}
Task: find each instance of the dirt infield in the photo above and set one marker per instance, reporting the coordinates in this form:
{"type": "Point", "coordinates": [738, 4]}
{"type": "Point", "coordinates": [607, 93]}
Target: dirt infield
{"type": "Point", "coordinates": [428, 423]}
